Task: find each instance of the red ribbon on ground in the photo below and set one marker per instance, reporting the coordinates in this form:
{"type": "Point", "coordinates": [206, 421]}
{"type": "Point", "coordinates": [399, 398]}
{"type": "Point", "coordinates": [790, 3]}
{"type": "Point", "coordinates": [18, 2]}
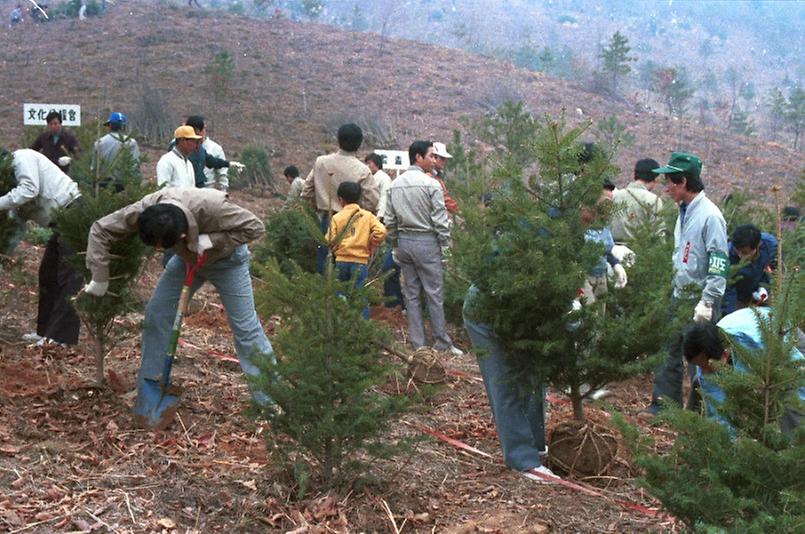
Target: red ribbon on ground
{"type": "Point", "coordinates": [575, 486]}
{"type": "Point", "coordinates": [214, 354]}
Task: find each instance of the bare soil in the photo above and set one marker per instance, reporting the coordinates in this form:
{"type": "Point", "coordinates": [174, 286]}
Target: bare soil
{"type": "Point", "coordinates": [72, 460]}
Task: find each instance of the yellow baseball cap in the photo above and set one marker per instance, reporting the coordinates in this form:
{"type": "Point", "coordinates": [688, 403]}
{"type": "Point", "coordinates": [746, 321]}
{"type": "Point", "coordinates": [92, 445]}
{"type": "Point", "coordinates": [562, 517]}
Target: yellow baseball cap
{"type": "Point", "coordinates": [185, 132]}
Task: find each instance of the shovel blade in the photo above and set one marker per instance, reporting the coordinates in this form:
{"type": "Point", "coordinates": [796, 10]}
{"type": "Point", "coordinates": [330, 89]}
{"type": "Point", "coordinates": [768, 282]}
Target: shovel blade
{"type": "Point", "coordinates": [156, 405]}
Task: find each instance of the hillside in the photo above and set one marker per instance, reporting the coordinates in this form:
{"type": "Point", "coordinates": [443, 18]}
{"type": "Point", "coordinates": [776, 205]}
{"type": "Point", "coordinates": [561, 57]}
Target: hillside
{"type": "Point", "coordinates": [292, 82]}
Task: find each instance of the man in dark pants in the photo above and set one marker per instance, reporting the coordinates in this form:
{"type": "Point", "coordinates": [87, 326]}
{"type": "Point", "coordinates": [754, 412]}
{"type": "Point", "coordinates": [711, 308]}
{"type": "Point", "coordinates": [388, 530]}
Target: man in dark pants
{"type": "Point", "coordinates": [700, 261]}
{"type": "Point", "coordinates": [42, 188]}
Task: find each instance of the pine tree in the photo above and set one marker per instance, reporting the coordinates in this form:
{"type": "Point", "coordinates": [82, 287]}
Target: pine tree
{"type": "Point", "coordinates": [673, 86]}
{"type": "Point", "coordinates": [746, 477]}
{"type": "Point", "coordinates": [98, 314]}
{"type": "Point", "coordinates": [528, 256]}
{"type": "Point", "coordinates": [324, 382]}
{"type": "Point", "coordinates": [288, 240]}
{"type": "Point", "coordinates": [616, 59]}
{"type": "Point", "coordinates": [795, 113]}
{"type": "Point", "coordinates": [11, 226]}
{"type": "Point", "coordinates": [776, 104]}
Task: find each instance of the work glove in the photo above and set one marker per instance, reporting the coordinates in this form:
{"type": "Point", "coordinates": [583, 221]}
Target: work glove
{"type": "Point", "coordinates": [96, 289]}
{"type": "Point", "coordinates": [619, 276]}
{"type": "Point", "coordinates": [65, 161]}
{"type": "Point", "coordinates": [204, 243]}
{"type": "Point", "coordinates": [760, 296]}
{"type": "Point", "coordinates": [445, 250]}
{"type": "Point", "coordinates": [238, 166]}
{"type": "Point", "coordinates": [394, 256]}
{"type": "Point", "coordinates": [624, 254]}
{"type": "Point", "coordinates": [703, 312]}
{"type": "Point", "coordinates": [574, 307]}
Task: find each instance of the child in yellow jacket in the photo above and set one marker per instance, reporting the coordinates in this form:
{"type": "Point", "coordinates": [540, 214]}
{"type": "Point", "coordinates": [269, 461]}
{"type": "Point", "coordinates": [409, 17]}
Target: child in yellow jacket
{"type": "Point", "coordinates": [353, 234]}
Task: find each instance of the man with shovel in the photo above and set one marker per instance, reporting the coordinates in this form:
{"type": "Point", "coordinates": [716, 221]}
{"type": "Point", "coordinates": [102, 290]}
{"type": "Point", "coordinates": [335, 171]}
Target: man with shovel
{"type": "Point", "coordinates": [193, 223]}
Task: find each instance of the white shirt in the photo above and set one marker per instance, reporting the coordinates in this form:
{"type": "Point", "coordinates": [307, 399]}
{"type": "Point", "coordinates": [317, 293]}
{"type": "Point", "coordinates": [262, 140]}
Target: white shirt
{"type": "Point", "coordinates": [382, 181]}
{"type": "Point", "coordinates": [175, 170]}
{"type": "Point", "coordinates": [39, 180]}
{"type": "Point", "coordinates": [215, 175]}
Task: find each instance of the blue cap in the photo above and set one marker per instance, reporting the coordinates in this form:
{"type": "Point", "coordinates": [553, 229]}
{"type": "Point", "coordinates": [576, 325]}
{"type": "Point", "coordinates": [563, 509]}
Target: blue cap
{"type": "Point", "coordinates": [116, 116]}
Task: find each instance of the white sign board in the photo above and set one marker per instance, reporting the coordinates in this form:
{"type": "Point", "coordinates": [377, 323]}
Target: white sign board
{"type": "Point", "coordinates": [34, 114]}
{"type": "Point", "coordinates": [395, 160]}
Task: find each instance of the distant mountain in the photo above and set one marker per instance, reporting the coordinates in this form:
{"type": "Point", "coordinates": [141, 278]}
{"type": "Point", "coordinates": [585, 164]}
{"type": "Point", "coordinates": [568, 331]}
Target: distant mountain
{"type": "Point", "coordinates": [293, 83]}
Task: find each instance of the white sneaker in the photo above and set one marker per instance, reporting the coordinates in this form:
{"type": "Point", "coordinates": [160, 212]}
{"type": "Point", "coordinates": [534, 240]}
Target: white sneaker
{"type": "Point", "coordinates": [455, 351]}
{"type": "Point", "coordinates": [46, 341]}
{"type": "Point", "coordinates": [538, 479]}
{"type": "Point", "coordinates": [31, 337]}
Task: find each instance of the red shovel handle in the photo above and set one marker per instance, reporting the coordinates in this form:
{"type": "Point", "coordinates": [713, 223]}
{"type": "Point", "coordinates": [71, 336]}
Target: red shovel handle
{"type": "Point", "coordinates": [190, 270]}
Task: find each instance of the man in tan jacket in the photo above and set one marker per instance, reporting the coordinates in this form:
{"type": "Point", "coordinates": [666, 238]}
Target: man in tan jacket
{"type": "Point", "coordinates": [636, 204]}
{"type": "Point", "coordinates": [321, 185]}
{"type": "Point", "coordinates": [189, 221]}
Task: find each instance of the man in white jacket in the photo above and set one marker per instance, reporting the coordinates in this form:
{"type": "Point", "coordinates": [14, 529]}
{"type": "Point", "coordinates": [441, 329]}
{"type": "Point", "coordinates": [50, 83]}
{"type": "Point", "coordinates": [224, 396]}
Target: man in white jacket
{"type": "Point", "coordinates": [41, 188]}
{"type": "Point", "coordinates": [174, 169]}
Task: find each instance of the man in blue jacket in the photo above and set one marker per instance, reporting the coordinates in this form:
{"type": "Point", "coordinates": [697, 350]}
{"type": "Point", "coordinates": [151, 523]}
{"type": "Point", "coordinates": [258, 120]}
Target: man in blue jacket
{"type": "Point", "coordinates": [704, 344]}
{"type": "Point", "coordinates": [759, 249]}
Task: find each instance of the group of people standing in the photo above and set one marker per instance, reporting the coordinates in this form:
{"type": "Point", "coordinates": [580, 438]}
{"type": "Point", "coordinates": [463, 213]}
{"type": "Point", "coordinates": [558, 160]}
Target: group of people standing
{"type": "Point", "coordinates": [411, 211]}
{"type": "Point", "coordinates": [359, 207]}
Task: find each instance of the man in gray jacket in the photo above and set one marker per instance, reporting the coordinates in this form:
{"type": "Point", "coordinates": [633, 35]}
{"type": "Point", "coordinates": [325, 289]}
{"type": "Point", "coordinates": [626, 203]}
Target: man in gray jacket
{"type": "Point", "coordinates": [108, 147]}
{"type": "Point", "coordinates": [416, 220]}
{"type": "Point", "coordinates": [41, 188]}
{"type": "Point", "coordinates": [700, 262]}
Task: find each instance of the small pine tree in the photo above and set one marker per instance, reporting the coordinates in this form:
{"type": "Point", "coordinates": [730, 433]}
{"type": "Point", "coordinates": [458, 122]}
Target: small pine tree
{"type": "Point", "coordinates": [98, 314]}
{"type": "Point", "coordinates": [257, 173]}
{"type": "Point", "coordinates": [221, 71]}
{"type": "Point", "coordinates": [288, 240]}
{"type": "Point", "coordinates": [328, 411]}
{"type": "Point", "coordinates": [530, 267]}
{"type": "Point", "coordinates": [795, 113]}
{"type": "Point", "coordinates": [616, 59]}
{"type": "Point", "coordinates": [11, 226]}
{"type": "Point", "coordinates": [740, 123]}
{"type": "Point", "coordinates": [673, 86]}
{"type": "Point", "coordinates": [746, 477]}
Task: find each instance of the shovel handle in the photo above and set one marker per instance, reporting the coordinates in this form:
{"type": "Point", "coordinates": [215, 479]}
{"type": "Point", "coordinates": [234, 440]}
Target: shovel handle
{"type": "Point", "coordinates": [181, 309]}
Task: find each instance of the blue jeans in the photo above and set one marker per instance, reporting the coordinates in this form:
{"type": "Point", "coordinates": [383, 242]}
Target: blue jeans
{"type": "Point", "coordinates": [346, 270]}
{"type": "Point", "coordinates": [392, 289]}
{"type": "Point", "coordinates": [519, 412]}
{"type": "Point", "coordinates": [230, 276]}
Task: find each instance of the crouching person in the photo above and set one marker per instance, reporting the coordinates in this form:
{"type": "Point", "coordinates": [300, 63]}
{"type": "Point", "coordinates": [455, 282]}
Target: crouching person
{"type": "Point", "coordinates": [706, 343]}
{"type": "Point", "coordinates": [190, 222]}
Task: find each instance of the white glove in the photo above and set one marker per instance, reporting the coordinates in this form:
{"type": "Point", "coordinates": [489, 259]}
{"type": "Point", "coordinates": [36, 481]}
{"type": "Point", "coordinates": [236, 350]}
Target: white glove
{"type": "Point", "coordinates": [96, 289]}
{"type": "Point", "coordinates": [394, 256]}
{"type": "Point", "coordinates": [238, 166]}
{"type": "Point", "coordinates": [760, 296]}
{"type": "Point", "coordinates": [204, 243]}
{"type": "Point", "coordinates": [624, 254]}
{"type": "Point", "coordinates": [619, 276]}
{"type": "Point", "coordinates": [65, 161]}
{"type": "Point", "coordinates": [703, 312]}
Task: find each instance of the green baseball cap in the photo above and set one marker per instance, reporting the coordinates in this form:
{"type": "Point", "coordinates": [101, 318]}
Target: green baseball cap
{"type": "Point", "coordinates": [681, 162]}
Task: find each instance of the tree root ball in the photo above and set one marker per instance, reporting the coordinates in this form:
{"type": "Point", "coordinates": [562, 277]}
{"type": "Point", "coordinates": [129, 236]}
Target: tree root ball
{"type": "Point", "coordinates": [582, 449]}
